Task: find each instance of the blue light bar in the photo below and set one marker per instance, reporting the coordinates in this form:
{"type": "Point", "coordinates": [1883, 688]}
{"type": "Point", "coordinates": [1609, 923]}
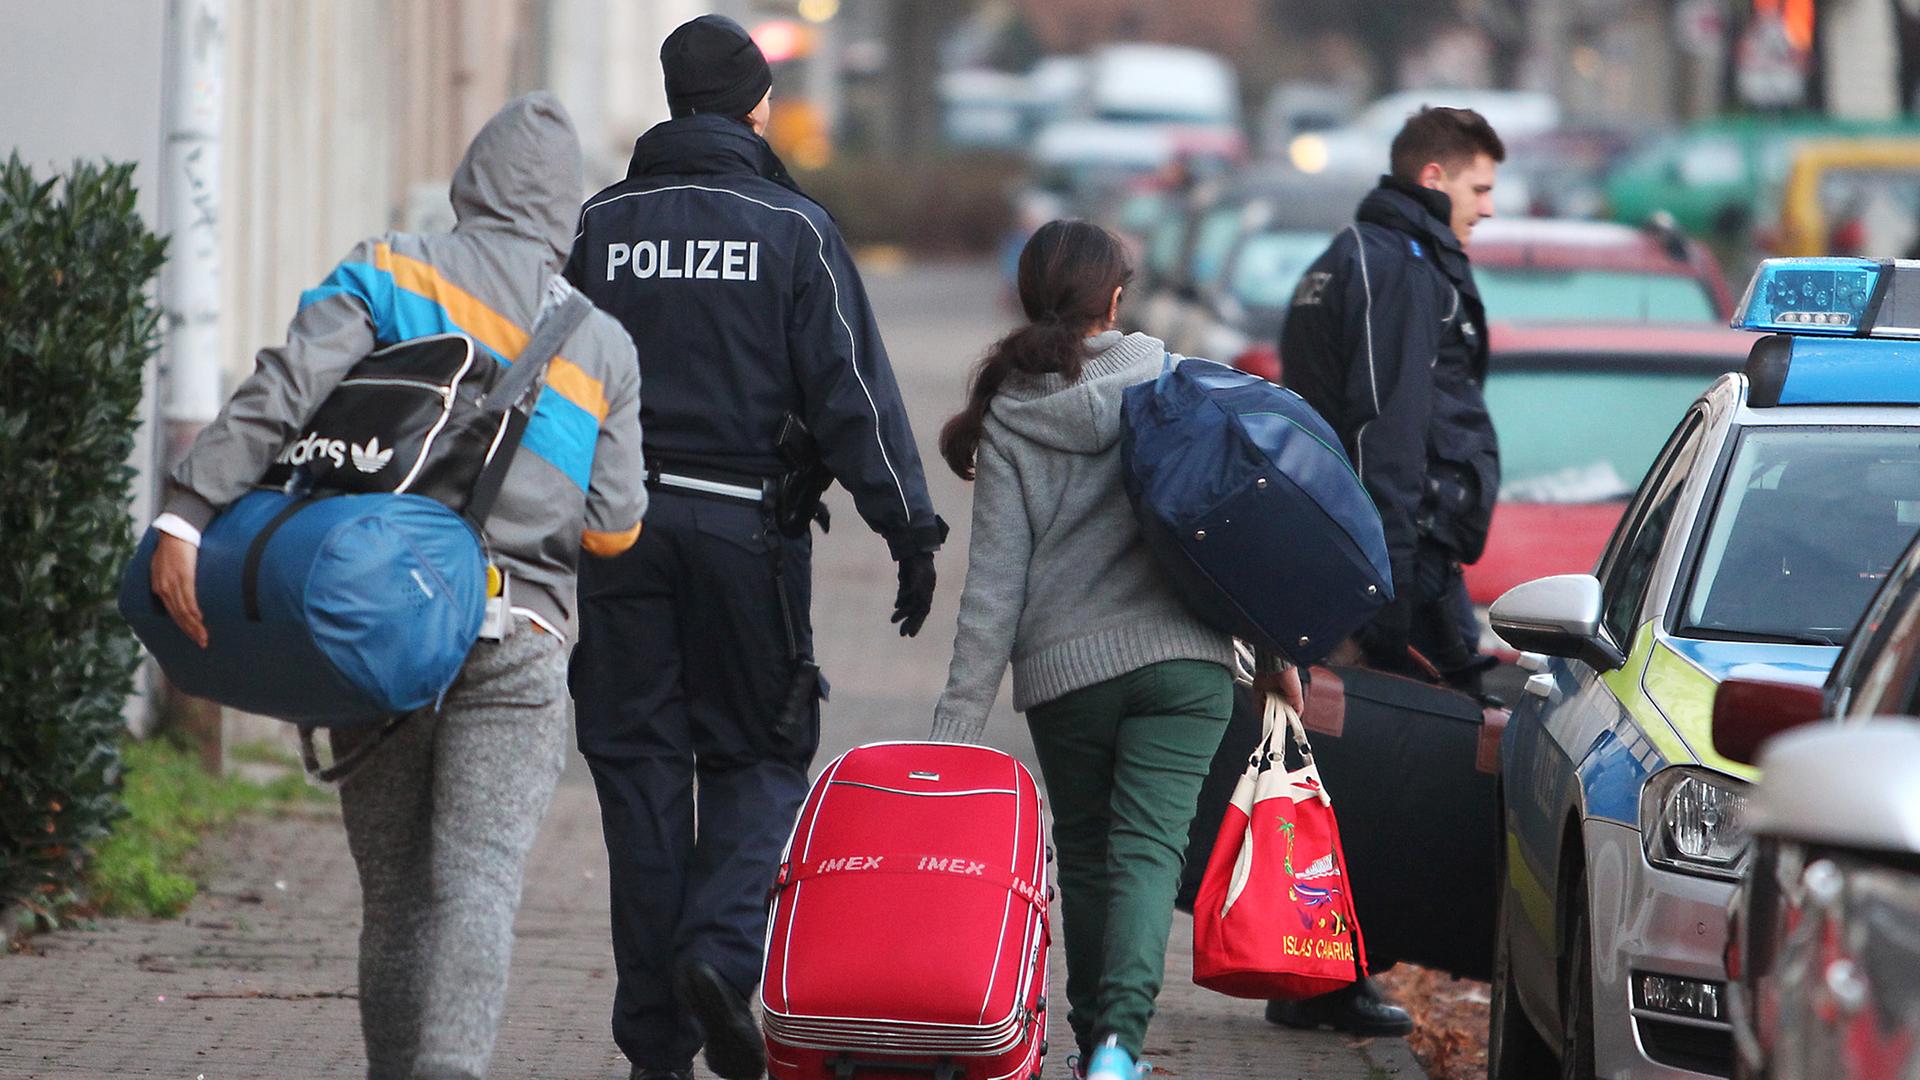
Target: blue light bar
{"type": "Point", "coordinates": [1828, 296]}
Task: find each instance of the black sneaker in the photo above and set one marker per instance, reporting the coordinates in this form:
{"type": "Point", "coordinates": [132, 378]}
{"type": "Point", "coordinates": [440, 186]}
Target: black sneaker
{"type": "Point", "coordinates": [1356, 1010]}
{"type": "Point", "coordinates": [734, 1050]}
{"type": "Point", "coordinates": [639, 1073]}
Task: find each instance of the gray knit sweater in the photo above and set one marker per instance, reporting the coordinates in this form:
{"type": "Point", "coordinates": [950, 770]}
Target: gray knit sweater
{"type": "Point", "coordinates": [1059, 580]}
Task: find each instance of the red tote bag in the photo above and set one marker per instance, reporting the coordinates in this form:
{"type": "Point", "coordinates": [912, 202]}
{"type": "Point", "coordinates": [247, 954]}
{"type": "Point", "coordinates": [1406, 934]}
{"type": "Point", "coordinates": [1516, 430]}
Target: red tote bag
{"type": "Point", "coordinates": [1274, 917]}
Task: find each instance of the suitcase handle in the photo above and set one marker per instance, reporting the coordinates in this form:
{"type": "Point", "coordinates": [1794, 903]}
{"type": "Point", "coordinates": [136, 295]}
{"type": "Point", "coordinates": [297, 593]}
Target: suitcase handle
{"type": "Point", "coordinates": [846, 1065]}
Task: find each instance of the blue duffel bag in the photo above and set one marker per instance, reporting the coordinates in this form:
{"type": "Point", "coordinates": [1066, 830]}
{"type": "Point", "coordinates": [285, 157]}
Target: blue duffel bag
{"type": "Point", "coordinates": [341, 611]}
{"type": "Point", "coordinates": [340, 608]}
{"type": "Point", "coordinates": [1252, 509]}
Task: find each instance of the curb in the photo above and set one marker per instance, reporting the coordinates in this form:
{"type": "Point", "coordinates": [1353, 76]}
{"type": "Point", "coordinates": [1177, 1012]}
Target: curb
{"type": "Point", "coordinates": [1393, 1058]}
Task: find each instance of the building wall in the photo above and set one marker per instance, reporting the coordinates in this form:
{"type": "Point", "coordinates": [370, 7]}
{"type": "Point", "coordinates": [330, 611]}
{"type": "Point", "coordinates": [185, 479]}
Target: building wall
{"type": "Point", "coordinates": [346, 120]}
{"type": "Point", "coordinates": [1228, 27]}
{"type": "Point", "coordinates": [82, 78]}
{"type": "Point", "coordinates": [615, 64]}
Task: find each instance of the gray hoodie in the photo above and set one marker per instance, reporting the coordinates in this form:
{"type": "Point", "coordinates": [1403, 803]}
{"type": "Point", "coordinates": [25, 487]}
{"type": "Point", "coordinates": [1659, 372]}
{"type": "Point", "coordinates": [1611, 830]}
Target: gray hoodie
{"type": "Point", "coordinates": [1059, 580]}
{"type": "Point", "coordinates": [578, 479]}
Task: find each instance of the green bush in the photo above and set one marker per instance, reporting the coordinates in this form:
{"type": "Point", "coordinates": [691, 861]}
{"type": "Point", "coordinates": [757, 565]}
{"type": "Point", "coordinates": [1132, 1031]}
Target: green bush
{"type": "Point", "coordinates": [76, 329]}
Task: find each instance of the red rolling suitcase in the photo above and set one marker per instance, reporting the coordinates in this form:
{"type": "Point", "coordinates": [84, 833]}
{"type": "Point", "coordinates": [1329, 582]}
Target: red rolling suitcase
{"type": "Point", "coordinates": [909, 928]}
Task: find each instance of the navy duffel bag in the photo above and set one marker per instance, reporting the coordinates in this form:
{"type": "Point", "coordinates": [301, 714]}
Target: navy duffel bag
{"type": "Point", "coordinates": [339, 612]}
{"type": "Point", "coordinates": [1251, 507]}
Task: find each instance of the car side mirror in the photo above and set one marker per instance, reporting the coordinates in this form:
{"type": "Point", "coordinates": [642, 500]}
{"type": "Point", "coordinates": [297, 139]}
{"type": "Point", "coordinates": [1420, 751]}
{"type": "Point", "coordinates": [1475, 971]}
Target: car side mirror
{"type": "Point", "coordinates": [1748, 712]}
{"type": "Point", "coordinates": [1557, 616]}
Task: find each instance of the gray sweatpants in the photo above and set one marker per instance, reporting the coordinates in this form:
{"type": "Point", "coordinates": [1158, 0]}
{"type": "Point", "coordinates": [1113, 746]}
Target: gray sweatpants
{"type": "Point", "coordinates": [439, 820]}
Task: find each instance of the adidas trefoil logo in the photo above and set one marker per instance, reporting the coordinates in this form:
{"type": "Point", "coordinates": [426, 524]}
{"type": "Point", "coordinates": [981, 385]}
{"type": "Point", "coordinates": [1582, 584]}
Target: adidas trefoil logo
{"type": "Point", "coordinates": [370, 458]}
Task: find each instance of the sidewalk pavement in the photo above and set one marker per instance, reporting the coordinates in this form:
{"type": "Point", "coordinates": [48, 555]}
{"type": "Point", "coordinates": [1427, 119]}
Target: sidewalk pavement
{"type": "Point", "coordinates": [257, 980]}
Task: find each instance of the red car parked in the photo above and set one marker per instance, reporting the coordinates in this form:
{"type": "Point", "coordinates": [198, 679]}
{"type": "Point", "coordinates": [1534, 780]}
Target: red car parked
{"type": "Point", "coordinates": [1581, 411]}
{"type": "Point", "coordinates": [1548, 270]}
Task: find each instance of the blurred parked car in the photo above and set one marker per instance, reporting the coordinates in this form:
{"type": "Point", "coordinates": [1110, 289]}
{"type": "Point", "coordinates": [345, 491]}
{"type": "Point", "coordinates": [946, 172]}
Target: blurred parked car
{"type": "Point", "coordinates": [1581, 409]}
{"type": "Point", "coordinates": [984, 109]}
{"type": "Point", "coordinates": [1713, 175]}
{"type": "Point", "coordinates": [1823, 950]}
{"type": "Point", "coordinates": [1296, 108]}
{"type": "Point", "coordinates": [1194, 309]}
{"type": "Point", "coordinates": [1753, 545]}
{"type": "Point", "coordinates": [1560, 173]}
{"type": "Point", "coordinates": [1166, 250]}
{"type": "Point", "coordinates": [1360, 148]}
{"type": "Point", "coordinates": [1851, 197]}
{"type": "Point", "coordinates": [1133, 213]}
{"type": "Point", "coordinates": [1246, 307]}
{"type": "Point", "coordinates": [1086, 168]}
{"type": "Point", "coordinates": [1085, 159]}
{"type": "Point", "coordinates": [1539, 269]}
{"type": "Point", "coordinates": [1161, 84]}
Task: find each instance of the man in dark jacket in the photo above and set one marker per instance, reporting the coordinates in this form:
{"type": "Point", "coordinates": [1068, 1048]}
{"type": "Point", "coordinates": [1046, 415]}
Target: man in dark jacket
{"type": "Point", "coordinates": [764, 376]}
{"type": "Point", "coordinates": [1387, 339]}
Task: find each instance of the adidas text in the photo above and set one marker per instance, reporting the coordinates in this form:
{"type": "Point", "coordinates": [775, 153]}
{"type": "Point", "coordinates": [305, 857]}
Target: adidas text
{"type": "Point", "coordinates": [313, 447]}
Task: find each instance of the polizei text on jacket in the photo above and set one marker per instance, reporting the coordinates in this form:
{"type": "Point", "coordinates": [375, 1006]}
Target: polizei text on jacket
{"type": "Point", "coordinates": [708, 260]}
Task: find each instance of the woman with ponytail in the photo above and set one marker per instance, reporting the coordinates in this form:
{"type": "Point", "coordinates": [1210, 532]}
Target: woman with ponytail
{"type": "Point", "coordinates": [1126, 694]}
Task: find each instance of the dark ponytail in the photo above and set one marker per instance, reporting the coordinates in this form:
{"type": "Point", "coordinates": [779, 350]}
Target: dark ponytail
{"type": "Point", "coordinates": [1068, 272]}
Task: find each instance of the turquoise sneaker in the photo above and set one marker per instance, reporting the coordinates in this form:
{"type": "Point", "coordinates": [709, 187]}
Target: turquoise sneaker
{"type": "Point", "coordinates": [1112, 1062]}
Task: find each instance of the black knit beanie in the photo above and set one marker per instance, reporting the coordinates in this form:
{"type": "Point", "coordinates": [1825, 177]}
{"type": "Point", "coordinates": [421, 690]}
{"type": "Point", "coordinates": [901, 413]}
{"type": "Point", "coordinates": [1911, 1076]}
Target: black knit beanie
{"type": "Point", "coordinates": [713, 66]}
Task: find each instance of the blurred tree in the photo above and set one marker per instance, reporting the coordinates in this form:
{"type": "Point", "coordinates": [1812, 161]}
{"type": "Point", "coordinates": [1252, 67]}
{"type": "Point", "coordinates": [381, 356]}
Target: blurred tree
{"type": "Point", "coordinates": [1505, 24]}
{"type": "Point", "coordinates": [1386, 29]}
{"type": "Point", "coordinates": [914, 31]}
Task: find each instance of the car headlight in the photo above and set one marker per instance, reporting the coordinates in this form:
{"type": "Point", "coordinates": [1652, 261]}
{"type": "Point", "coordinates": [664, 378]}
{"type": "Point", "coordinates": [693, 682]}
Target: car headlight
{"type": "Point", "coordinates": [1695, 821]}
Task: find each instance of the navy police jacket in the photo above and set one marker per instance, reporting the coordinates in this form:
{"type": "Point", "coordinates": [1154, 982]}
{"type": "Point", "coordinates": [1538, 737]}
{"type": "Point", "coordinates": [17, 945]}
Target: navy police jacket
{"type": "Point", "coordinates": [745, 307]}
{"type": "Point", "coordinates": [1387, 339]}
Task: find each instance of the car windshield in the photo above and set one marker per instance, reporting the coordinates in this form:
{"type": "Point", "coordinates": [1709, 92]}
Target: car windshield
{"type": "Point", "coordinates": [1163, 248]}
{"type": "Point", "coordinates": [1871, 211]}
{"type": "Point", "coordinates": [1582, 434]}
{"type": "Point", "coordinates": [1138, 213]}
{"type": "Point", "coordinates": [1810, 523]}
{"type": "Point", "coordinates": [1532, 294]}
{"type": "Point", "coordinates": [1214, 241]}
{"type": "Point", "coordinates": [1269, 265]}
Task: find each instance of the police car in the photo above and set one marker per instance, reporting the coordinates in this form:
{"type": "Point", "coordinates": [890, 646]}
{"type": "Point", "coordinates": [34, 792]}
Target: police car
{"type": "Point", "coordinates": [1774, 511]}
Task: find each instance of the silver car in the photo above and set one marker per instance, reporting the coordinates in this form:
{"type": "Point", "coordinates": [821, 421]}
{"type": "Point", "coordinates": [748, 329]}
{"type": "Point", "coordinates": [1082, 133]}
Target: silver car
{"type": "Point", "coordinates": [1823, 954]}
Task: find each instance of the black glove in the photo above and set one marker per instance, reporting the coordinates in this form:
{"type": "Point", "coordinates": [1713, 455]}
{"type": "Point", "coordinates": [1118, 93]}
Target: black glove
{"type": "Point", "coordinates": [1384, 639]}
{"type": "Point", "coordinates": [916, 593]}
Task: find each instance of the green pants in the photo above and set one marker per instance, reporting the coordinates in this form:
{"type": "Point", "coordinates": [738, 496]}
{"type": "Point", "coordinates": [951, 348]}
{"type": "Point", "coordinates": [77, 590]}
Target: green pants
{"type": "Point", "coordinates": [1123, 762]}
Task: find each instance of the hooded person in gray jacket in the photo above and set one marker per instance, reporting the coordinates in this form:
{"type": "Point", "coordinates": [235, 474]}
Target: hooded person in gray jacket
{"type": "Point", "coordinates": [440, 817]}
{"type": "Point", "coordinates": [1127, 694]}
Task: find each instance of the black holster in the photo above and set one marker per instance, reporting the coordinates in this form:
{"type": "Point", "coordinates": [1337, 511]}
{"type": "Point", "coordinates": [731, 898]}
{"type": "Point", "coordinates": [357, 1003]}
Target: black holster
{"type": "Point", "coordinates": [797, 712]}
{"type": "Point", "coordinates": [797, 492]}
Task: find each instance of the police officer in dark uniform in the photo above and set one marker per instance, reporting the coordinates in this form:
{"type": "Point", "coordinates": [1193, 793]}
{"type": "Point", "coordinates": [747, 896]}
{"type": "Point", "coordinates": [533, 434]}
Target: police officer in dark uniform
{"type": "Point", "coordinates": [763, 378]}
{"type": "Point", "coordinates": [1387, 339]}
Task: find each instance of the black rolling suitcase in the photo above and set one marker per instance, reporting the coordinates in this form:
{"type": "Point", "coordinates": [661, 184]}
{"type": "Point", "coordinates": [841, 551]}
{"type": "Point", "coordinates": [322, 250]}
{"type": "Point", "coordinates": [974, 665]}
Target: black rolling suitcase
{"type": "Point", "coordinates": [1413, 770]}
